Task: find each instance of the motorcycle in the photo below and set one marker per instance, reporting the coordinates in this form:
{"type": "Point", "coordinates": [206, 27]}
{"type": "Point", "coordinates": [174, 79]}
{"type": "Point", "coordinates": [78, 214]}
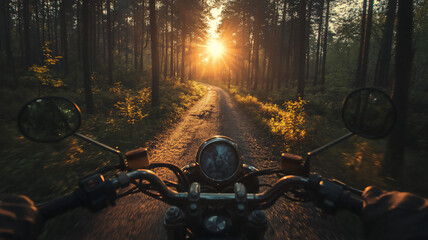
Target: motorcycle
{"type": "Point", "coordinates": [217, 196]}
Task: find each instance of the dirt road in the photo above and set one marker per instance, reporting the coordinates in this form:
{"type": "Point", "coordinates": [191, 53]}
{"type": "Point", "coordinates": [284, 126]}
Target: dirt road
{"type": "Point", "coordinates": [140, 217]}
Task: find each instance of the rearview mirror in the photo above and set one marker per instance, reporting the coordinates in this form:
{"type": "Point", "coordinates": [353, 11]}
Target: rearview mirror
{"type": "Point", "coordinates": [369, 113]}
{"type": "Point", "coordinates": [49, 119]}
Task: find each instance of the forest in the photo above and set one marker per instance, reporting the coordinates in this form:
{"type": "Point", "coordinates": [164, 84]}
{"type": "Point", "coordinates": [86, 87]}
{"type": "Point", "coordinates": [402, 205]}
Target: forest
{"type": "Point", "coordinates": [135, 66]}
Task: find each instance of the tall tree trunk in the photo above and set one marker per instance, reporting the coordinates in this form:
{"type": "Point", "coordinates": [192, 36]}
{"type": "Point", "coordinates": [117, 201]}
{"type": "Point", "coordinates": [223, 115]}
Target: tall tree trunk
{"type": "Point", "coordinates": [257, 43]}
{"type": "Point", "coordinates": [394, 157]}
{"type": "Point", "coordinates": [27, 34]}
{"type": "Point", "coordinates": [317, 57]}
{"type": "Point", "coordinates": [308, 35]}
{"type": "Point", "coordinates": [10, 62]}
{"type": "Point", "coordinates": [183, 51]}
{"type": "Point", "coordinates": [279, 71]}
{"type": "Point", "coordinates": [79, 29]}
{"type": "Point", "coordinates": [38, 54]}
{"type": "Point", "coordinates": [143, 31]}
{"type": "Point", "coordinates": [136, 36]}
{"type": "Point", "coordinates": [301, 50]}
{"type": "Point", "coordinates": [55, 26]}
{"type": "Point", "coordinates": [155, 54]}
{"type": "Point", "coordinates": [383, 62]}
{"type": "Point", "coordinates": [177, 53]}
{"type": "Point", "coordinates": [64, 42]}
{"type": "Point", "coordinates": [289, 48]}
{"type": "Point", "coordinates": [367, 36]}
{"type": "Point", "coordinates": [362, 39]}
{"type": "Point", "coordinates": [189, 57]}
{"type": "Point", "coordinates": [86, 58]}
{"type": "Point", "coordinates": [265, 79]}
{"type": "Point", "coordinates": [165, 69]}
{"type": "Point", "coordinates": [126, 45]}
{"type": "Point", "coordinates": [171, 61]}
{"type": "Point", "coordinates": [274, 58]}
{"type": "Point", "coordinates": [324, 56]}
{"type": "Point", "coordinates": [110, 44]}
{"type": "Point", "coordinates": [93, 34]}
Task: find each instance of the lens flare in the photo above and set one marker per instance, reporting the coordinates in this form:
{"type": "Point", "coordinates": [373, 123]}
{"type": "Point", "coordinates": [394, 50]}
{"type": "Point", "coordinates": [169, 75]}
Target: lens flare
{"type": "Point", "coordinates": [216, 49]}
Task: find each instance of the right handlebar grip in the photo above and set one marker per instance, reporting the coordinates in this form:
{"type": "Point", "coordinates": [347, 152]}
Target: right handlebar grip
{"type": "Point", "coordinates": [351, 203]}
{"type": "Point", "coordinates": [60, 205]}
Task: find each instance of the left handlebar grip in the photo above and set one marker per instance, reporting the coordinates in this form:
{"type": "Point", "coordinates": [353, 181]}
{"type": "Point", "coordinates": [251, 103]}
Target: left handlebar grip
{"type": "Point", "coordinates": [60, 205]}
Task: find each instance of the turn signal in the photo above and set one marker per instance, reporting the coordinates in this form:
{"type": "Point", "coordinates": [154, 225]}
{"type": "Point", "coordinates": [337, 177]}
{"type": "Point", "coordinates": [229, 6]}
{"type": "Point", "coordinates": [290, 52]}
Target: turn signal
{"type": "Point", "coordinates": [291, 163]}
{"type": "Point", "coordinates": [137, 159]}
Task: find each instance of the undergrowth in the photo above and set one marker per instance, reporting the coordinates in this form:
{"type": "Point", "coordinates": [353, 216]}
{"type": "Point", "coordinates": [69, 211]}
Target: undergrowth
{"type": "Point", "coordinates": [304, 125]}
{"type": "Point", "coordinates": [287, 122]}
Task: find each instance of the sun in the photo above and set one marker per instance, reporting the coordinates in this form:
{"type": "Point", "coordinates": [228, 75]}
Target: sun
{"type": "Point", "coordinates": [215, 49]}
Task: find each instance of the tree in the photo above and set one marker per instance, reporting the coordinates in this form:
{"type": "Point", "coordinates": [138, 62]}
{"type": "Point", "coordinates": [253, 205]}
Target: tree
{"type": "Point", "coordinates": [155, 54]}
{"type": "Point", "coordinates": [383, 62]}
{"type": "Point", "coordinates": [361, 78]}
{"type": "Point", "coordinates": [320, 13]}
{"type": "Point", "coordinates": [27, 38]}
{"type": "Point", "coordinates": [86, 58]}
{"type": "Point", "coordinates": [394, 157]}
{"type": "Point", "coordinates": [257, 23]}
{"type": "Point", "coordinates": [110, 44]}
{"type": "Point", "coordinates": [64, 42]}
{"type": "Point", "coordinates": [301, 49]}
{"type": "Point", "coordinates": [10, 62]}
{"type": "Point", "coordinates": [324, 55]}
{"type": "Point", "coordinates": [281, 46]}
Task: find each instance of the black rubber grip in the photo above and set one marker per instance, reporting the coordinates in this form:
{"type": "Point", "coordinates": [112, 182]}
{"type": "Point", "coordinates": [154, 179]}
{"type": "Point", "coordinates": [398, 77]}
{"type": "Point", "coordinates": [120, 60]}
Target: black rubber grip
{"type": "Point", "coordinates": [351, 203]}
{"type": "Point", "coordinates": [60, 205]}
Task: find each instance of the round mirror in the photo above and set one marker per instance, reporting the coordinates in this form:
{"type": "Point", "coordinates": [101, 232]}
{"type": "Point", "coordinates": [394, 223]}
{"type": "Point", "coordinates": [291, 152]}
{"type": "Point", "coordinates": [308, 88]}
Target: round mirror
{"type": "Point", "coordinates": [49, 119]}
{"type": "Point", "coordinates": [369, 113]}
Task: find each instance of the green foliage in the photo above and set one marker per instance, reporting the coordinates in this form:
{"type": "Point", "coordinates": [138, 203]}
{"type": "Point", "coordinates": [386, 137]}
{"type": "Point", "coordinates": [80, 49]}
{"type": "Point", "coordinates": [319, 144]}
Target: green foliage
{"type": "Point", "coordinates": [43, 72]}
{"type": "Point", "coordinates": [288, 122]}
{"type": "Point", "coordinates": [134, 105]}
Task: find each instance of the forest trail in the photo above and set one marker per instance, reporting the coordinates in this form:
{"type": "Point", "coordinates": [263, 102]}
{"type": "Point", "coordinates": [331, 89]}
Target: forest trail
{"type": "Point", "coordinates": [141, 217]}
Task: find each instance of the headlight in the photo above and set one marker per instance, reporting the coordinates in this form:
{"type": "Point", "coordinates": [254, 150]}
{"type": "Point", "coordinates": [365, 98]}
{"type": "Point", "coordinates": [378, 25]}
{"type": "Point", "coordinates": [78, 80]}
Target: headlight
{"type": "Point", "coordinates": [215, 224]}
{"type": "Point", "coordinates": [219, 158]}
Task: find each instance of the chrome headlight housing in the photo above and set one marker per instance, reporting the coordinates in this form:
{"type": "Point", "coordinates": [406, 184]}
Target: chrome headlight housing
{"type": "Point", "coordinates": [220, 159]}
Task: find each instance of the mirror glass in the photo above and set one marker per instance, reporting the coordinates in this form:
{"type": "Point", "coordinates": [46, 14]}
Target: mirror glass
{"type": "Point", "coordinates": [369, 112]}
{"type": "Point", "coordinates": [49, 119]}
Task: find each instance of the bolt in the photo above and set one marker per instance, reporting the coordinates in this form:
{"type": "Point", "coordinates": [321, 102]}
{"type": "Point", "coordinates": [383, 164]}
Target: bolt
{"type": "Point", "coordinates": [258, 217]}
{"type": "Point", "coordinates": [173, 214]}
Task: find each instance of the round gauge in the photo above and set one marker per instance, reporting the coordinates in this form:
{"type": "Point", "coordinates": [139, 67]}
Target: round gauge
{"type": "Point", "coordinates": [219, 159]}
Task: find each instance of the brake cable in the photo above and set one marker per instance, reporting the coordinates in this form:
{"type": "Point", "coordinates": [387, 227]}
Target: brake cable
{"type": "Point", "coordinates": [176, 170]}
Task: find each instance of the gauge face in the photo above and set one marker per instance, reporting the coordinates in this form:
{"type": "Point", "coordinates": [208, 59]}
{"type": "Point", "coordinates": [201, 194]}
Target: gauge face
{"type": "Point", "coordinates": [219, 161]}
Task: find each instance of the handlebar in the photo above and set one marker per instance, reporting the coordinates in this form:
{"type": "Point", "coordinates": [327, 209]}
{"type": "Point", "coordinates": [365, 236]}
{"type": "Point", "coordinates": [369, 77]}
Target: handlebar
{"type": "Point", "coordinates": [173, 197]}
{"type": "Point", "coordinates": [330, 196]}
{"type": "Point", "coordinates": [60, 205]}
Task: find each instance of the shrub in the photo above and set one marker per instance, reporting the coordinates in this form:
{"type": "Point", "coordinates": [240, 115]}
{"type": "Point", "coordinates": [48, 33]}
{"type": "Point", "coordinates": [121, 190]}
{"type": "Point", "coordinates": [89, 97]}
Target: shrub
{"type": "Point", "coordinates": [287, 123]}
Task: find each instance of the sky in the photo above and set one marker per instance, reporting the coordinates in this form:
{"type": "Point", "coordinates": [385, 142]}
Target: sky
{"type": "Point", "coordinates": [214, 21]}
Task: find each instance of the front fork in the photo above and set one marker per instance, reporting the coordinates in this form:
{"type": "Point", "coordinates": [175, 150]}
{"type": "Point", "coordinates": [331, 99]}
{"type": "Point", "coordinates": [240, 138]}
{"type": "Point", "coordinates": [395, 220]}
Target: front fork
{"type": "Point", "coordinates": [175, 223]}
{"type": "Point", "coordinates": [256, 226]}
{"type": "Point", "coordinates": [251, 224]}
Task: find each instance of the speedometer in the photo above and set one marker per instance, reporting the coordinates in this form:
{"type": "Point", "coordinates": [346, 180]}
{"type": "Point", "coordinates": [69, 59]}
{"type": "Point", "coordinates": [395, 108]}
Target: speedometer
{"type": "Point", "coordinates": [219, 158]}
